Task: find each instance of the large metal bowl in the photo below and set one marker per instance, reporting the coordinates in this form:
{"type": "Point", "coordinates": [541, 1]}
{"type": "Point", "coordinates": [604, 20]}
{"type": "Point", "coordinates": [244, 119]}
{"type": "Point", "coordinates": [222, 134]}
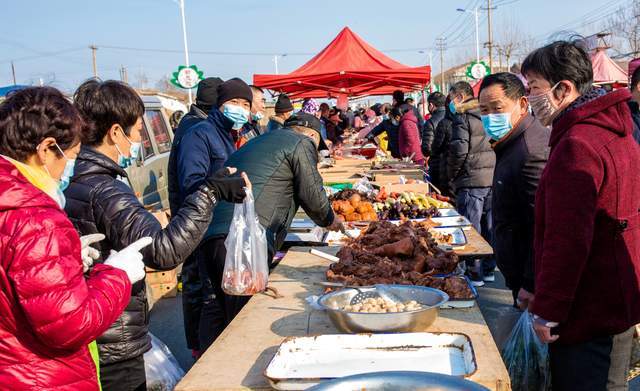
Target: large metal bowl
{"type": "Point", "coordinates": [357, 322]}
{"type": "Point", "coordinates": [399, 381]}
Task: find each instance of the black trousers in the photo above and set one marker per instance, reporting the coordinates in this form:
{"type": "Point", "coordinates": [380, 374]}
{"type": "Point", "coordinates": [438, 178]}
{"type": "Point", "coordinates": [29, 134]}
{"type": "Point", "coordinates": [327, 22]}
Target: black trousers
{"type": "Point", "coordinates": [583, 366]}
{"type": "Point", "coordinates": [191, 300]}
{"type": "Point", "coordinates": [218, 308]}
{"type": "Point", "coordinates": [126, 375]}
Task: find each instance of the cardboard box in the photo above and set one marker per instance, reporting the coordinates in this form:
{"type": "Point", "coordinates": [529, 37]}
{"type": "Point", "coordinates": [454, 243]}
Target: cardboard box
{"type": "Point", "coordinates": [158, 291]}
{"type": "Point", "coordinates": [162, 277]}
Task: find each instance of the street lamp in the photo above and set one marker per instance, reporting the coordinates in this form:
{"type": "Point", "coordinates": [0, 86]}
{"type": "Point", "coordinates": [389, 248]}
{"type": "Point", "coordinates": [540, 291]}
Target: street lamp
{"type": "Point", "coordinates": [475, 12]}
{"type": "Point", "coordinates": [186, 48]}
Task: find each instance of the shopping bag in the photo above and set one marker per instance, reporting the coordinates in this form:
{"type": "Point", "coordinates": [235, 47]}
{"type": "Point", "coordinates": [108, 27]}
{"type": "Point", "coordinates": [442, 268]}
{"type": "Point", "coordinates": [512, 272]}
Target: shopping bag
{"type": "Point", "coordinates": [526, 357]}
{"type": "Point", "coordinates": [161, 368]}
{"type": "Point", "coordinates": [246, 267]}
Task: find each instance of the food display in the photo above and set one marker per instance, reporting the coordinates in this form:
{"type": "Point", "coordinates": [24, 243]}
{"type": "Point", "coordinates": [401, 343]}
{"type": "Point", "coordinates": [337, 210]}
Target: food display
{"type": "Point", "coordinates": [352, 205]}
{"type": "Point", "coordinates": [407, 205]}
{"type": "Point", "coordinates": [381, 306]}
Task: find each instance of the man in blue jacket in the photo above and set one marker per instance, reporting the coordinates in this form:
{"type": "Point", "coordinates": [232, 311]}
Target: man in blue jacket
{"type": "Point", "coordinates": [198, 150]}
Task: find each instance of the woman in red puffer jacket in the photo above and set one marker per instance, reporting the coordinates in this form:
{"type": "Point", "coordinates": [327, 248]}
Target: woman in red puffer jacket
{"type": "Point", "coordinates": [409, 137]}
{"type": "Point", "coordinates": [49, 310]}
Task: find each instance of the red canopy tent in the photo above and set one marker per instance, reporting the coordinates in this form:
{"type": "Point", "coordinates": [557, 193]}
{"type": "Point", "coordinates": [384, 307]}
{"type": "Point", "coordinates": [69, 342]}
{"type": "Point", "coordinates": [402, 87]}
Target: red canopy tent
{"type": "Point", "coordinates": [348, 66]}
{"type": "Point", "coordinates": [606, 71]}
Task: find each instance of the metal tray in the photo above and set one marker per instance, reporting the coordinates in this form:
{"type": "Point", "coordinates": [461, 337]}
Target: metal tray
{"type": "Point", "coordinates": [462, 303]}
{"type": "Point", "coordinates": [451, 221]}
{"type": "Point", "coordinates": [399, 381]}
{"type": "Point", "coordinates": [302, 362]}
{"type": "Point", "coordinates": [459, 238]}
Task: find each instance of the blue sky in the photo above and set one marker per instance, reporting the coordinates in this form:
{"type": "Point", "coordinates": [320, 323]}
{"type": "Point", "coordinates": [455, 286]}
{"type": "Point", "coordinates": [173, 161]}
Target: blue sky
{"type": "Point", "coordinates": [50, 39]}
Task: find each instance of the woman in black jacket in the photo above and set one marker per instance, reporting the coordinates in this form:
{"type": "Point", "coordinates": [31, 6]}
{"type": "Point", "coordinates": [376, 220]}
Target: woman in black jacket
{"type": "Point", "coordinates": [99, 201]}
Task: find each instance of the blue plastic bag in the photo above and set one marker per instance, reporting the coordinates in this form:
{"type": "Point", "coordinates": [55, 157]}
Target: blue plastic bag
{"type": "Point", "coordinates": [526, 357]}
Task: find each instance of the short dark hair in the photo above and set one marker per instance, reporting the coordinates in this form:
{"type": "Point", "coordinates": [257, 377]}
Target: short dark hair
{"type": "Point", "coordinates": [396, 112]}
{"type": "Point", "coordinates": [398, 96]}
{"type": "Point", "coordinates": [105, 103]}
{"type": "Point", "coordinates": [409, 100]}
{"type": "Point", "coordinates": [462, 87]}
{"type": "Point", "coordinates": [437, 99]}
{"type": "Point", "coordinates": [29, 116]}
{"type": "Point", "coordinates": [510, 83]}
{"type": "Point", "coordinates": [635, 79]}
{"type": "Point", "coordinates": [256, 88]}
{"type": "Point", "coordinates": [561, 60]}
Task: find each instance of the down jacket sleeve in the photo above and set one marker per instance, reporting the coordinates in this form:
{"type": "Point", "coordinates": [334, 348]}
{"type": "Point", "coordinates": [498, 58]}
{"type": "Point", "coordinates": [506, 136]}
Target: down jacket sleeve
{"type": "Point", "coordinates": [307, 184]}
{"type": "Point", "coordinates": [458, 147]}
{"type": "Point", "coordinates": [121, 217]}
{"type": "Point", "coordinates": [428, 135]}
{"type": "Point", "coordinates": [64, 309]}
{"type": "Point", "coordinates": [194, 164]}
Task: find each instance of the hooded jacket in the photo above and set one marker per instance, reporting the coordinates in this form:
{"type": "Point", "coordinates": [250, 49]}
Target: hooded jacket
{"type": "Point", "coordinates": [409, 138]}
{"type": "Point", "coordinates": [99, 202]}
{"type": "Point", "coordinates": [440, 153]}
{"type": "Point", "coordinates": [429, 131]}
{"type": "Point", "coordinates": [471, 159]}
{"type": "Point", "coordinates": [587, 232]}
{"type": "Point", "coordinates": [282, 167]}
{"type": "Point", "coordinates": [520, 159]}
{"type": "Point", "coordinates": [49, 310]}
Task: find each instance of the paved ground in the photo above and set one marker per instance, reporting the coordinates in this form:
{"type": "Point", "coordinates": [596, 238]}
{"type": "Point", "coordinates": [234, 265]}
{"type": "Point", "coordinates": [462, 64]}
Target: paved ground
{"type": "Point", "coordinates": [495, 302]}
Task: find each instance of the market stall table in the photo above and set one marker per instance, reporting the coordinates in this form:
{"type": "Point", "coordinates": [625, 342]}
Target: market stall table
{"type": "Point", "coordinates": [238, 358]}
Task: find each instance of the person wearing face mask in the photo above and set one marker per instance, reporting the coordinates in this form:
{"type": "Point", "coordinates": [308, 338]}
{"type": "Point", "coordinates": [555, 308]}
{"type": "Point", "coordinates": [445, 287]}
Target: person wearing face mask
{"type": "Point", "coordinates": [51, 310]}
{"type": "Point", "coordinates": [587, 222]}
{"type": "Point", "coordinates": [521, 145]}
{"type": "Point", "coordinates": [99, 201]}
{"type": "Point", "coordinates": [435, 103]}
{"type": "Point", "coordinates": [440, 152]}
{"type": "Point", "coordinates": [391, 127]}
{"type": "Point", "coordinates": [282, 166]}
{"type": "Point", "coordinates": [253, 128]}
{"type": "Point", "coordinates": [470, 165]}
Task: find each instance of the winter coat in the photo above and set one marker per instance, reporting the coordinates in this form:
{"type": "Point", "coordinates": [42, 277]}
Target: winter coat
{"type": "Point", "coordinates": [275, 123]}
{"type": "Point", "coordinates": [587, 233]}
{"type": "Point", "coordinates": [440, 152]}
{"type": "Point", "coordinates": [99, 202]}
{"type": "Point", "coordinates": [392, 134]}
{"type": "Point", "coordinates": [282, 167]}
{"type": "Point", "coordinates": [409, 138]}
{"type": "Point", "coordinates": [194, 116]}
{"type": "Point", "coordinates": [470, 160]}
{"type": "Point", "coordinates": [429, 130]}
{"type": "Point", "coordinates": [198, 151]}
{"type": "Point", "coordinates": [49, 310]}
{"type": "Point", "coordinates": [520, 159]}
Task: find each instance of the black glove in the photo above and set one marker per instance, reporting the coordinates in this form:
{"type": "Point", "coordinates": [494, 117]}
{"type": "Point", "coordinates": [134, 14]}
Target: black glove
{"type": "Point", "coordinates": [226, 187]}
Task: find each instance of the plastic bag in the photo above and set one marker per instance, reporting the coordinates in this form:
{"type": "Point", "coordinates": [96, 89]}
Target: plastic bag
{"type": "Point", "coordinates": [246, 267]}
{"type": "Point", "coordinates": [161, 368]}
{"type": "Point", "coordinates": [526, 357]}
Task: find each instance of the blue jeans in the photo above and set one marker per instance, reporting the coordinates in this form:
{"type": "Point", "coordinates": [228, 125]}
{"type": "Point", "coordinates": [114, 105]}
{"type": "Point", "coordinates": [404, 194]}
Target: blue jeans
{"type": "Point", "coordinates": [475, 205]}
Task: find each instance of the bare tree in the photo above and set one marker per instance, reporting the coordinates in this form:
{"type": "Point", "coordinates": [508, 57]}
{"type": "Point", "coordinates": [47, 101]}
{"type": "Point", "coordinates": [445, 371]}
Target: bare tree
{"type": "Point", "coordinates": [142, 79]}
{"type": "Point", "coordinates": [512, 41]}
{"type": "Point", "coordinates": [625, 27]}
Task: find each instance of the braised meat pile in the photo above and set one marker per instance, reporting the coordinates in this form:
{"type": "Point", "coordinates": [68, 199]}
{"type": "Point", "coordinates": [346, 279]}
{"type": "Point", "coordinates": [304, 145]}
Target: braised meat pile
{"type": "Point", "coordinates": [397, 254]}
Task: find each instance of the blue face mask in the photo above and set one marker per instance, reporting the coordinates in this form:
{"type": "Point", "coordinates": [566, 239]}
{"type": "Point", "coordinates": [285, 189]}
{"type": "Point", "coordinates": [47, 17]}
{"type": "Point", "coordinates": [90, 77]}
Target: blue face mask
{"type": "Point", "coordinates": [497, 125]}
{"type": "Point", "coordinates": [134, 152]}
{"type": "Point", "coordinates": [69, 168]}
{"type": "Point", "coordinates": [452, 107]}
{"type": "Point", "coordinates": [386, 116]}
{"type": "Point", "coordinates": [257, 116]}
{"type": "Point", "coordinates": [239, 115]}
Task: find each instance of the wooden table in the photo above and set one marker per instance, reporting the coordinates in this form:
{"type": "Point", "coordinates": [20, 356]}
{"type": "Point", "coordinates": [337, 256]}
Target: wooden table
{"type": "Point", "coordinates": [238, 358]}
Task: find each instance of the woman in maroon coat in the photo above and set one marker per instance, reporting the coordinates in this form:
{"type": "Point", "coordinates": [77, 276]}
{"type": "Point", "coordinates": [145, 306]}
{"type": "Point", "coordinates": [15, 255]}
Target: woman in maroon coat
{"type": "Point", "coordinates": [587, 235]}
{"type": "Point", "coordinates": [409, 137]}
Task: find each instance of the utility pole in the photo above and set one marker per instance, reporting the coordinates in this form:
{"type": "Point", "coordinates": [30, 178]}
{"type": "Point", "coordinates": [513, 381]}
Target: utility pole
{"type": "Point", "coordinates": [275, 61]}
{"type": "Point", "coordinates": [95, 63]}
{"type": "Point", "coordinates": [490, 36]}
{"type": "Point", "coordinates": [13, 72]}
{"type": "Point", "coordinates": [186, 48]}
{"type": "Point", "coordinates": [441, 44]}
{"type": "Point", "coordinates": [123, 74]}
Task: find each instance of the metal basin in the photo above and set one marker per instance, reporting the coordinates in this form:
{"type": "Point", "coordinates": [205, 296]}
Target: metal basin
{"type": "Point", "coordinates": [398, 381]}
{"type": "Point", "coordinates": [356, 322]}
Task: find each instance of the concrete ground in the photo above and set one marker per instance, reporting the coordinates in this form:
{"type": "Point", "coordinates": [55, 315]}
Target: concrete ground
{"type": "Point", "coordinates": [495, 303]}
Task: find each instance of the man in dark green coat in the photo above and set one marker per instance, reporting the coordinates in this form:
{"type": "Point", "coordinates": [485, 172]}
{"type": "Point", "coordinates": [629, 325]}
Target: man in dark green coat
{"type": "Point", "coordinates": [282, 167]}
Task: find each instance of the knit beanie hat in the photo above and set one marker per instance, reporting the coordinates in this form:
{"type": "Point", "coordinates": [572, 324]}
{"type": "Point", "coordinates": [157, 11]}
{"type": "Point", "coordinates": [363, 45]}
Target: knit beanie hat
{"type": "Point", "coordinates": [207, 94]}
{"type": "Point", "coordinates": [234, 89]}
{"type": "Point", "coordinates": [283, 104]}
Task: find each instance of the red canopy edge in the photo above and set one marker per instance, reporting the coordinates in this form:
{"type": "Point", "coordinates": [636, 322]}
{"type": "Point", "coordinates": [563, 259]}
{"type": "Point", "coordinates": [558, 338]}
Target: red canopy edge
{"type": "Point", "coordinates": [347, 66]}
{"type": "Point", "coordinates": [605, 70]}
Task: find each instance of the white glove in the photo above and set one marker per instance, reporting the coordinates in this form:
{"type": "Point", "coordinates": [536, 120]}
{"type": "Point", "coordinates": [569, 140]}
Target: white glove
{"type": "Point", "coordinates": [88, 253]}
{"type": "Point", "coordinates": [129, 259]}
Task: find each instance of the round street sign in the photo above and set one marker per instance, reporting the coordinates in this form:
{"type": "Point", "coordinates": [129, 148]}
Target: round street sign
{"type": "Point", "coordinates": [478, 71]}
{"type": "Point", "coordinates": [188, 77]}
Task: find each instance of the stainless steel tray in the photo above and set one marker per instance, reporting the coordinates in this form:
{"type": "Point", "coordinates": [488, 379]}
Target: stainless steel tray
{"type": "Point", "coordinates": [451, 221]}
{"type": "Point", "coordinates": [302, 362]}
{"type": "Point", "coordinates": [448, 212]}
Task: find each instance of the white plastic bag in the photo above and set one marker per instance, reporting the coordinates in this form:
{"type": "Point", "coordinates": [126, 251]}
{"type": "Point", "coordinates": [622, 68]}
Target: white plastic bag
{"type": "Point", "coordinates": [246, 268]}
{"type": "Point", "coordinates": [161, 368]}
